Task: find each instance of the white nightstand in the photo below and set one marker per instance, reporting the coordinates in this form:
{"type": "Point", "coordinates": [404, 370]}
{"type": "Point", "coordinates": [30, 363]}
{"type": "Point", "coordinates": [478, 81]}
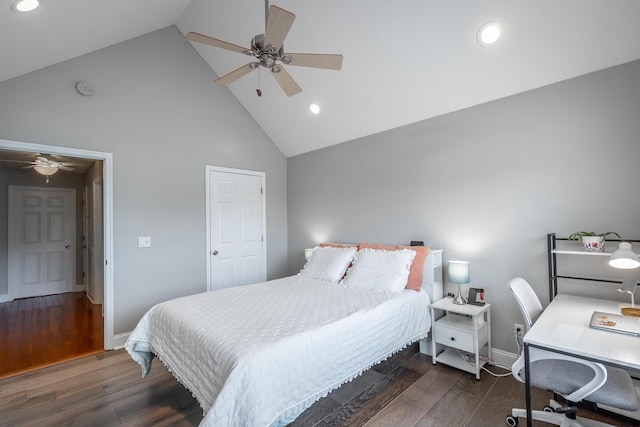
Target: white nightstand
{"type": "Point", "coordinates": [464, 327]}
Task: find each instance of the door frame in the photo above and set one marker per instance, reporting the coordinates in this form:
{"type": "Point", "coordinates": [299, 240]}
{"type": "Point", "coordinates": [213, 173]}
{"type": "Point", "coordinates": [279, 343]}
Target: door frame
{"type": "Point", "coordinates": [262, 175]}
{"type": "Point", "coordinates": [107, 217]}
{"type": "Point", "coordinates": [12, 285]}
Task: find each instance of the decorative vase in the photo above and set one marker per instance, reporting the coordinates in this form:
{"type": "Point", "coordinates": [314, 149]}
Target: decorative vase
{"type": "Point", "coordinates": [593, 243]}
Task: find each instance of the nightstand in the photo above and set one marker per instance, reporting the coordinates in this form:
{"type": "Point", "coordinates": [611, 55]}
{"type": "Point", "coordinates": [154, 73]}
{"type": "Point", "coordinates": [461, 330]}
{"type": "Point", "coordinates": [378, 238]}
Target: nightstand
{"type": "Point", "coordinates": [463, 327]}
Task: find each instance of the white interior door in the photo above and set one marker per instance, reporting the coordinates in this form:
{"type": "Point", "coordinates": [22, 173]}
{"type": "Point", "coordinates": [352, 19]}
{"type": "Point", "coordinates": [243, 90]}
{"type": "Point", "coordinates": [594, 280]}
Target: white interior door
{"type": "Point", "coordinates": [41, 240]}
{"type": "Point", "coordinates": [236, 228]}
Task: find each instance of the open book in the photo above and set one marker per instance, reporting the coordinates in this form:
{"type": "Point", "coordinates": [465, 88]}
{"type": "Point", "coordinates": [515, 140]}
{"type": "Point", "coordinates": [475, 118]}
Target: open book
{"type": "Point", "coordinates": [616, 323]}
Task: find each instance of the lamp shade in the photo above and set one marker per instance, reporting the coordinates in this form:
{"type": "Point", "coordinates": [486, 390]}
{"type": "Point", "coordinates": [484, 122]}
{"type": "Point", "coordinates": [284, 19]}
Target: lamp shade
{"type": "Point", "coordinates": [45, 170]}
{"type": "Point", "coordinates": [458, 272]}
{"type": "Point", "coordinates": [624, 257]}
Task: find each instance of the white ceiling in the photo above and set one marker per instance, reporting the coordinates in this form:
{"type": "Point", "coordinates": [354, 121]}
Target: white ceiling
{"type": "Point", "coordinates": [404, 61]}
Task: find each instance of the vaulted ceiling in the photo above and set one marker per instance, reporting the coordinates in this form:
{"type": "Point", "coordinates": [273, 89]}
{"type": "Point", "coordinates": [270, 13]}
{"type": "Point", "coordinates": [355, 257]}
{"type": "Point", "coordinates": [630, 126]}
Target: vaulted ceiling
{"type": "Point", "coordinates": [404, 61]}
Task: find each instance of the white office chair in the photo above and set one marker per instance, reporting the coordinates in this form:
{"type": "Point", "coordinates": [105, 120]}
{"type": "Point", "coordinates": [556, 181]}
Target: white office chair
{"type": "Point", "coordinates": [572, 378]}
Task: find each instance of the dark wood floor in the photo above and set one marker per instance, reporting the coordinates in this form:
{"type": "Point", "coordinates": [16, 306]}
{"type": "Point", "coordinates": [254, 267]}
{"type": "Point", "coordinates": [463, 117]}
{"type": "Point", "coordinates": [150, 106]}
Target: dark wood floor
{"type": "Point", "coordinates": [106, 389]}
{"type": "Point", "coordinates": [40, 331]}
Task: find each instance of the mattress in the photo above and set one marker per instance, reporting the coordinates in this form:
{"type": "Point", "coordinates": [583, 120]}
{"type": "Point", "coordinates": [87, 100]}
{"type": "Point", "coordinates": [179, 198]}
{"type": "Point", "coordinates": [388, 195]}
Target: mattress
{"type": "Point", "coordinates": [259, 355]}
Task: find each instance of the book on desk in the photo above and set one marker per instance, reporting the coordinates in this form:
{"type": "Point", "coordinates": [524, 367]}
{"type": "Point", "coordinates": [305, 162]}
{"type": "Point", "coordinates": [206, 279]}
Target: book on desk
{"type": "Point", "coordinates": [615, 323]}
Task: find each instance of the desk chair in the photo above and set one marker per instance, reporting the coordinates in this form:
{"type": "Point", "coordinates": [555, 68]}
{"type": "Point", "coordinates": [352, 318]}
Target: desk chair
{"type": "Point", "coordinates": [572, 378]}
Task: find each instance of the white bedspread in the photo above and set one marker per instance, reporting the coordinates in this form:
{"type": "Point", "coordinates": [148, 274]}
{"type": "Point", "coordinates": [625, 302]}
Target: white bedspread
{"type": "Point", "coordinates": [259, 355]}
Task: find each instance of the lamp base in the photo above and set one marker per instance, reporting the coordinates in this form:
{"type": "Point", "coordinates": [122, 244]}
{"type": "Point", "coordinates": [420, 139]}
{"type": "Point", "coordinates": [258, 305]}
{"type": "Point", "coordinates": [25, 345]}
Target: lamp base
{"type": "Point", "coordinates": [458, 299]}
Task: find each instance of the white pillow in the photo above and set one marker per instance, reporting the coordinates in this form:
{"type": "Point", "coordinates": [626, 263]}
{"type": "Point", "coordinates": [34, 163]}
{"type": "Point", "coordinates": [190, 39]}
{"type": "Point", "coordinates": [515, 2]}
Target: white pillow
{"type": "Point", "coordinates": [328, 263]}
{"type": "Point", "coordinates": [381, 270]}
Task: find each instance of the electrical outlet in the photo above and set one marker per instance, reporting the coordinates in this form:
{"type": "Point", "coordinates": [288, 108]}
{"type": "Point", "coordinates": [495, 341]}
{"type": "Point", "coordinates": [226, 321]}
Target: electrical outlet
{"type": "Point", "coordinates": [518, 330]}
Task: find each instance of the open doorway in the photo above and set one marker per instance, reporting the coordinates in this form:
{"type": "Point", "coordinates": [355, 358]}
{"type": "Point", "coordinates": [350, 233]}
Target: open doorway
{"type": "Point", "coordinates": [91, 276]}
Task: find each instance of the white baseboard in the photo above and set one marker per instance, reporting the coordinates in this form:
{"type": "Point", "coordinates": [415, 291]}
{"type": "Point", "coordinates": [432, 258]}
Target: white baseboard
{"type": "Point", "coordinates": [92, 300]}
{"type": "Point", "coordinates": [503, 358]}
{"type": "Point", "coordinates": [120, 340]}
{"type": "Point", "coordinates": [4, 298]}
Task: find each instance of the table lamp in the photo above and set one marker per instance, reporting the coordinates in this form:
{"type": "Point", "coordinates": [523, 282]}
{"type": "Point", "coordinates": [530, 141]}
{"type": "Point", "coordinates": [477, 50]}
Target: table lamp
{"type": "Point", "coordinates": [458, 273]}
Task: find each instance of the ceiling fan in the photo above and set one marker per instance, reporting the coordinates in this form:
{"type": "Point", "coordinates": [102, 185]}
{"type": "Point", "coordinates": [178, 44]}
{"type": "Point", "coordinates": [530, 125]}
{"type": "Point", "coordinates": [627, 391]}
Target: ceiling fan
{"type": "Point", "coordinates": [44, 166]}
{"type": "Point", "coordinates": [47, 167]}
{"type": "Point", "coordinates": [268, 49]}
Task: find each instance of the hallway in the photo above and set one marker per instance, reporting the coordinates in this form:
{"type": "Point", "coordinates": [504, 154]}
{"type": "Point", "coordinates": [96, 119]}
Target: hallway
{"type": "Point", "coordinates": [41, 331]}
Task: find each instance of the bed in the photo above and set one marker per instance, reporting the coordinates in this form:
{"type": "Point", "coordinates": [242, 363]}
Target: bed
{"type": "Point", "coordinates": [259, 355]}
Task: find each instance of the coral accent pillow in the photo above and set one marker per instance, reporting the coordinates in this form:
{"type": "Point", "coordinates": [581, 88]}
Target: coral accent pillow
{"type": "Point", "coordinates": [417, 267]}
{"type": "Point", "coordinates": [328, 263]}
{"type": "Point", "coordinates": [380, 270]}
{"type": "Point", "coordinates": [338, 245]}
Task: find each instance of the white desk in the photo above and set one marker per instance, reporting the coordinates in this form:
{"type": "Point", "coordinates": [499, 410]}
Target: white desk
{"type": "Point", "coordinates": [564, 327]}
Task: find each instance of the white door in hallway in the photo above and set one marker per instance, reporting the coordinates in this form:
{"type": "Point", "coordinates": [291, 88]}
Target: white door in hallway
{"type": "Point", "coordinates": [236, 240]}
{"type": "Point", "coordinates": [41, 240]}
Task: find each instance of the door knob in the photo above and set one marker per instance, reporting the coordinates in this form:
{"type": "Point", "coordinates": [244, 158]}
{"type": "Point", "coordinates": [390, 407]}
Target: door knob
{"type": "Point", "coordinates": [68, 246]}
{"type": "Point", "coordinates": [215, 252]}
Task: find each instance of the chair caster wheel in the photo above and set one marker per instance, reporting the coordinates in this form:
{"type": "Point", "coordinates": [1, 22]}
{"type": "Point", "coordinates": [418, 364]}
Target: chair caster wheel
{"type": "Point", "coordinates": [511, 421]}
{"type": "Point", "coordinates": [548, 409]}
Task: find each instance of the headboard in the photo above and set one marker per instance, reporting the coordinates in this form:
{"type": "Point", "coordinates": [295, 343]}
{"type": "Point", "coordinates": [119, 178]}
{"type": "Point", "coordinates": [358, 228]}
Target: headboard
{"type": "Point", "coordinates": [432, 279]}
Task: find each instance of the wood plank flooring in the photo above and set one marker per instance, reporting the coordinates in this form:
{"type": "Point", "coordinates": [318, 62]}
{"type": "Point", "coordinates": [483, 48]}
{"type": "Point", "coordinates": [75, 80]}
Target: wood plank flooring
{"type": "Point", "coordinates": [39, 331]}
{"type": "Point", "coordinates": [407, 390]}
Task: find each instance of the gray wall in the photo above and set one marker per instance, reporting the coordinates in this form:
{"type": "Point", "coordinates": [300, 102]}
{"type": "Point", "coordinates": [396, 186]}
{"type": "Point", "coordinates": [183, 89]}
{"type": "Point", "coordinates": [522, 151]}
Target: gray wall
{"type": "Point", "coordinates": [156, 108]}
{"type": "Point", "coordinates": [485, 184]}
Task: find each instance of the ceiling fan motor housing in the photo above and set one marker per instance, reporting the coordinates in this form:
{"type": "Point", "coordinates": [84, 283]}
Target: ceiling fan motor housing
{"type": "Point", "coordinates": [266, 54]}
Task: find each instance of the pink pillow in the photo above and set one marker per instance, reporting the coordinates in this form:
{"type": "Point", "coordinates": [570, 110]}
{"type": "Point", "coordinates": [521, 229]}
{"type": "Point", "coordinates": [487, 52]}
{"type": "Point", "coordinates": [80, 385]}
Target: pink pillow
{"type": "Point", "coordinates": [417, 267]}
{"type": "Point", "coordinates": [338, 245]}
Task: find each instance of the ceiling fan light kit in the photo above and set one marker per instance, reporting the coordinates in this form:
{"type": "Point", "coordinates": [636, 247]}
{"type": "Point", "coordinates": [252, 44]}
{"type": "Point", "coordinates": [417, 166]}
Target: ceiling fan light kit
{"type": "Point", "coordinates": [45, 170]}
{"type": "Point", "coordinates": [47, 167]}
{"type": "Point", "coordinates": [268, 49]}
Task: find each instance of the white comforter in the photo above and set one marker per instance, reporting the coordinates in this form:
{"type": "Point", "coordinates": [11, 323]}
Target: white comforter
{"type": "Point", "coordinates": [259, 355]}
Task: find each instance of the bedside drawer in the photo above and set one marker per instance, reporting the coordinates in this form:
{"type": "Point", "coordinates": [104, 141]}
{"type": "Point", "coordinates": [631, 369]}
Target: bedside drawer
{"type": "Point", "coordinates": [456, 338]}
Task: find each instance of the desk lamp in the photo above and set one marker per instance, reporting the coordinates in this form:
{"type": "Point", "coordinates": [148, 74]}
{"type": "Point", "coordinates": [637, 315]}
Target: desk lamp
{"type": "Point", "coordinates": [458, 272]}
{"type": "Point", "coordinates": [624, 257]}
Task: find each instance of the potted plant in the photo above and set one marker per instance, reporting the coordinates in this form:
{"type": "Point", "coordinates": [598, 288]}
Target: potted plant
{"type": "Point", "coordinates": [591, 241]}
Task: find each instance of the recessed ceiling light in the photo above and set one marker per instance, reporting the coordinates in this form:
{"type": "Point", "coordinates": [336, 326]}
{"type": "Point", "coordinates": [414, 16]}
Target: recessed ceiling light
{"type": "Point", "coordinates": [25, 5]}
{"type": "Point", "coordinates": [314, 107]}
{"type": "Point", "coordinates": [489, 33]}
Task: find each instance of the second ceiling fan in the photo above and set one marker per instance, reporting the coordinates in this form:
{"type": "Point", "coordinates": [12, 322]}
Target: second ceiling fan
{"type": "Point", "coordinates": [269, 52]}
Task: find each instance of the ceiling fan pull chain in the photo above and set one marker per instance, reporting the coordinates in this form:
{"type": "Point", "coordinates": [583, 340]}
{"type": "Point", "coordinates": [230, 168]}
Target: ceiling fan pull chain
{"type": "Point", "coordinates": [259, 91]}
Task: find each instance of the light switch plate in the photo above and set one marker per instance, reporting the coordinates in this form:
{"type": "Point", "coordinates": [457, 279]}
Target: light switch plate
{"type": "Point", "coordinates": [144, 242]}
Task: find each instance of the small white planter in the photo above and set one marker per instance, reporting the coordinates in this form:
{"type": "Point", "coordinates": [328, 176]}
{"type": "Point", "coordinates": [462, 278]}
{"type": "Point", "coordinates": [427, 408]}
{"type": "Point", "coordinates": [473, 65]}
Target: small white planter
{"type": "Point", "coordinates": [593, 243]}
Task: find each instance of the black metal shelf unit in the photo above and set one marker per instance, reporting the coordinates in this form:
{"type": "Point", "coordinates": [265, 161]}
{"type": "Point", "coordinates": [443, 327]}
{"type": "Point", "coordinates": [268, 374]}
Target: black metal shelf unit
{"type": "Point", "coordinates": [553, 263]}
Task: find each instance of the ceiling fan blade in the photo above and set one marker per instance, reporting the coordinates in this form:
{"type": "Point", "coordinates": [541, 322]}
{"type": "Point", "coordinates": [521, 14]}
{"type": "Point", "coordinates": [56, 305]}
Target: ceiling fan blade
{"type": "Point", "coordinates": [236, 74]}
{"type": "Point", "coordinates": [14, 161]}
{"type": "Point", "coordinates": [201, 38]}
{"type": "Point", "coordinates": [66, 168]}
{"type": "Point", "coordinates": [284, 79]}
{"type": "Point", "coordinates": [327, 61]}
{"type": "Point", "coordinates": [278, 25]}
